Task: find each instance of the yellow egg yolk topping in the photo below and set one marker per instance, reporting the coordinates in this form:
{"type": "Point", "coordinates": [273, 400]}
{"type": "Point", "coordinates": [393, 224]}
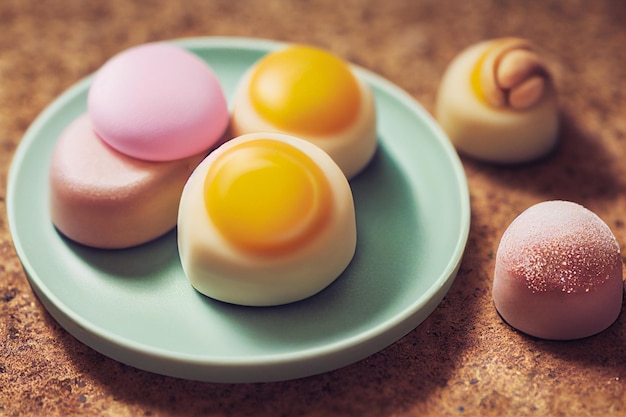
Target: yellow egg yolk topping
{"type": "Point", "coordinates": [305, 90]}
{"type": "Point", "coordinates": [266, 196]}
{"type": "Point", "coordinates": [475, 75]}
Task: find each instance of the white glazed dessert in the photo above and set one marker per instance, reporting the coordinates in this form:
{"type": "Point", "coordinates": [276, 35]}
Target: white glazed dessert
{"type": "Point", "coordinates": [312, 94]}
{"type": "Point", "coordinates": [266, 219]}
{"type": "Point", "coordinates": [558, 272]}
{"type": "Point", "coordinates": [497, 102]}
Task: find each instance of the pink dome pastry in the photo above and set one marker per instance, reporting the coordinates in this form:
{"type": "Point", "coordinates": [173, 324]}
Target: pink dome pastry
{"type": "Point", "coordinates": [558, 272]}
{"type": "Point", "coordinates": [158, 102]}
{"type": "Point", "coordinates": [102, 198]}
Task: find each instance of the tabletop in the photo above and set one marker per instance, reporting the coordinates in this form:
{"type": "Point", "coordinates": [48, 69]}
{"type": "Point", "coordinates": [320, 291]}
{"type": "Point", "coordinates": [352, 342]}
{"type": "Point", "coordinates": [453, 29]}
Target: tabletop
{"type": "Point", "coordinates": [463, 360]}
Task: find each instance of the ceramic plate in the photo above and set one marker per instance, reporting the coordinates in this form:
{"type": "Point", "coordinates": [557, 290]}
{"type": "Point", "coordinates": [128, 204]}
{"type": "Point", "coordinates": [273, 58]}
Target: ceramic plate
{"type": "Point", "coordinates": [136, 305]}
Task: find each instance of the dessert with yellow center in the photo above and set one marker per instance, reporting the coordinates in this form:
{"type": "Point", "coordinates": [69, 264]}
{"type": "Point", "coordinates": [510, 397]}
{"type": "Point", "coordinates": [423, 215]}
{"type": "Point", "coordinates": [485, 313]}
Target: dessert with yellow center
{"type": "Point", "coordinates": [497, 102]}
{"type": "Point", "coordinates": [266, 219]}
{"type": "Point", "coordinates": [312, 94]}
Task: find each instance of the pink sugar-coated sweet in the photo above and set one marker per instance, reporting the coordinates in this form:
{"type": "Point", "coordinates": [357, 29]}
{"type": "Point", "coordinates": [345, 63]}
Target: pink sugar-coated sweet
{"type": "Point", "coordinates": [558, 272]}
{"type": "Point", "coordinates": [102, 198]}
{"type": "Point", "coordinates": [158, 102]}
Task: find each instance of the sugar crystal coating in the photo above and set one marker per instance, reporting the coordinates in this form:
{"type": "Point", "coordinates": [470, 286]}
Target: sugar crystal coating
{"type": "Point", "coordinates": [559, 246]}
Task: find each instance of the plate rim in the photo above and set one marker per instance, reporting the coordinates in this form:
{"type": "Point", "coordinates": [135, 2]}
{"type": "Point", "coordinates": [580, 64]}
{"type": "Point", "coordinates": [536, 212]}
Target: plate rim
{"type": "Point", "coordinates": [70, 318]}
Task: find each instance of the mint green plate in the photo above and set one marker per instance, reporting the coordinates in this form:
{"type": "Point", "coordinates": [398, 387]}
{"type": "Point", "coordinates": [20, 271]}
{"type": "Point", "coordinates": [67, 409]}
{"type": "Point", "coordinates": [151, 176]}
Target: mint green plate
{"type": "Point", "coordinates": [136, 305]}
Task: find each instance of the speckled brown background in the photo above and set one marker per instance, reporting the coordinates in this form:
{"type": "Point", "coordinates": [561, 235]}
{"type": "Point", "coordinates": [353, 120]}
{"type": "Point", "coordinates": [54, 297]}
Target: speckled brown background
{"type": "Point", "coordinates": [463, 360]}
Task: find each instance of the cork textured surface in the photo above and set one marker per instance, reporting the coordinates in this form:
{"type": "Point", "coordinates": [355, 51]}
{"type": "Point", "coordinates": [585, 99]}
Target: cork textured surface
{"type": "Point", "coordinates": [463, 360]}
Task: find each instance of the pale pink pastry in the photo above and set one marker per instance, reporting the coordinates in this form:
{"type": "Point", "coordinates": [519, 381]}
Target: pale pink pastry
{"type": "Point", "coordinates": [558, 272]}
{"type": "Point", "coordinates": [102, 198]}
{"type": "Point", "coordinates": [157, 102]}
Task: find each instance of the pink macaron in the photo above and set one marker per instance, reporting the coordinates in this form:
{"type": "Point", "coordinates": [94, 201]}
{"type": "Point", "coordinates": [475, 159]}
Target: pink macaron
{"type": "Point", "coordinates": [157, 102]}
